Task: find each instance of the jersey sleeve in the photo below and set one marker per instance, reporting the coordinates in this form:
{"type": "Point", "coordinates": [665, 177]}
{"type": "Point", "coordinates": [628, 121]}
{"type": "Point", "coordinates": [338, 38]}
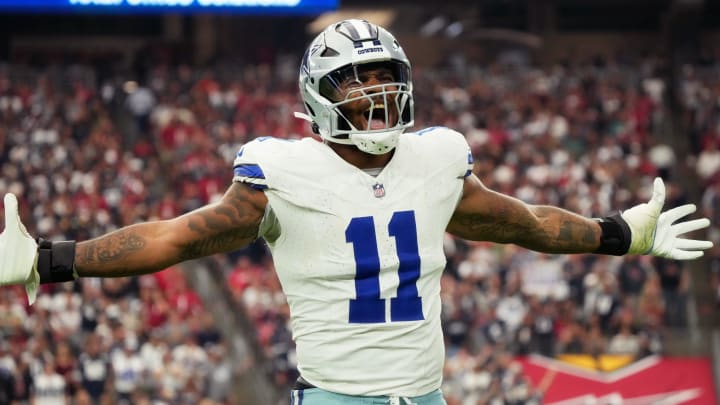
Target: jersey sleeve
{"type": "Point", "coordinates": [453, 146]}
{"type": "Point", "coordinates": [247, 167]}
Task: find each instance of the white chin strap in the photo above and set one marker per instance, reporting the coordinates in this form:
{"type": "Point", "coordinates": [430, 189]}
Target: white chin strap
{"type": "Point", "coordinates": [303, 116]}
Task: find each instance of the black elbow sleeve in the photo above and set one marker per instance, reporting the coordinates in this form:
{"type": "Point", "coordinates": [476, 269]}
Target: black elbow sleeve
{"type": "Point", "coordinates": [56, 261]}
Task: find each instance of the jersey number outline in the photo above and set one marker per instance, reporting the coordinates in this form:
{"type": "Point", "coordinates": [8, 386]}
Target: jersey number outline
{"type": "Point", "coordinates": [368, 307]}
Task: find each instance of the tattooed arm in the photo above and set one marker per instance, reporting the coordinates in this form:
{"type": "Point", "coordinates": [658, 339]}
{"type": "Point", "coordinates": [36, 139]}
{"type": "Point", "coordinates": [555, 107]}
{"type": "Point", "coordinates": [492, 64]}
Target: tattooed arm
{"type": "Point", "coordinates": [483, 214]}
{"type": "Point", "coordinates": [143, 248]}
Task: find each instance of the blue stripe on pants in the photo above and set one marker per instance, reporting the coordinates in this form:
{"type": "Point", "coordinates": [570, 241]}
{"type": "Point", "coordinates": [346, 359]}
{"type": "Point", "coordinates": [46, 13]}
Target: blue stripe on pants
{"type": "Point", "coordinates": [296, 397]}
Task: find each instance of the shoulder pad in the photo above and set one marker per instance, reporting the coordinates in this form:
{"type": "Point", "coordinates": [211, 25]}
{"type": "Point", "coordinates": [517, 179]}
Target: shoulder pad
{"type": "Point", "coordinates": [450, 143]}
{"type": "Point", "coordinates": [247, 167]}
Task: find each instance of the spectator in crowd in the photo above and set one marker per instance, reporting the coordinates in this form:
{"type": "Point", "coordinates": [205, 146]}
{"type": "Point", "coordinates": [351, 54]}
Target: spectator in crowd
{"type": "Point", "coordinates": [625, 340]}
{"type": "Point", "coordinates": [220, 376]}
{"type": "Point", "coordinates": [49, 387]}
{"type": "Point", "coordinates": [128, 370]}
{"type": "Point", "coordinates": [674, 283]}
{"type": "Point", "coordinates": [95, 370]}
{"type": "Point", "coordinates": [7, 386]}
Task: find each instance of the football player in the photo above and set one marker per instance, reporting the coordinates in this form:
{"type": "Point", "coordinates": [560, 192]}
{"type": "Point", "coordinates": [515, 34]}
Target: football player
{"type": "Point", "coordinates": [355, 222]}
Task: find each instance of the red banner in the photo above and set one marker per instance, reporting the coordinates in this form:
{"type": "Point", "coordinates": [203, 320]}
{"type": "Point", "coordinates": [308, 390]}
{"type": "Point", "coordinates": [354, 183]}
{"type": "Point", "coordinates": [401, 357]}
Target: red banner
{"type": "Point", "coordinates": [652, 380]}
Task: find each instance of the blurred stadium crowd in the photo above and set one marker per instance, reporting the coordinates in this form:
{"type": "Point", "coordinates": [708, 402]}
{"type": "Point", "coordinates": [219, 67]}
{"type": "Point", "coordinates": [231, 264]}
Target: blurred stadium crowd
{"type": "Point", "coordinates": [88, 152]}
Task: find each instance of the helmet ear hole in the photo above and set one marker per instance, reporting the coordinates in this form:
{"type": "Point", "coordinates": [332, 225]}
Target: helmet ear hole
{"type": "Point", "coordinates": [329, 52]}
{"type": "Point", "coordinates": [315, 128]}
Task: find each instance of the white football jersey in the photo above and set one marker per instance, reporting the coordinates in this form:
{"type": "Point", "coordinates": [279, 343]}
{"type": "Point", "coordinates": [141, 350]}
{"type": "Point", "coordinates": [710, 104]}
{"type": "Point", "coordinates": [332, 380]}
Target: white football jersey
{"type": "Point", "coordinates": [360, 257]}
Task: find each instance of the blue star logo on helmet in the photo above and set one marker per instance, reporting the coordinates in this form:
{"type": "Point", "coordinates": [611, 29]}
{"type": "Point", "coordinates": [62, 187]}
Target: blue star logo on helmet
{"type": "Point", "coordinates": [304, 68]}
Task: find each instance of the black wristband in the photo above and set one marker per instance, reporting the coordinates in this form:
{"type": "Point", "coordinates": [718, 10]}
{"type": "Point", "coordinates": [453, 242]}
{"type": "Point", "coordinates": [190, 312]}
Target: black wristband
{"type": "Point", "coordinates": [56, 261]}
{"type": "Point", "coordinates": [615, 237]}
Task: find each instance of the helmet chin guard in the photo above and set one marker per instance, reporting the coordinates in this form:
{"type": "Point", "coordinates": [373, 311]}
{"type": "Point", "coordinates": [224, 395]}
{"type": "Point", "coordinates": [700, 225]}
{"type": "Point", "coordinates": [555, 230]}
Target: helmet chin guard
{"type": "Point", "coordinates": [337, 55]}
{"type": "Point", "coordinates": [376, 143]}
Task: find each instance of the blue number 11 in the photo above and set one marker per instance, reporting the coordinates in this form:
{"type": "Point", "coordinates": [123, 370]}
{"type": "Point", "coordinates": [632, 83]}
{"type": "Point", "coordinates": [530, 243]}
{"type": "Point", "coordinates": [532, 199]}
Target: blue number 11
{"type": "Point", "coordinates": [368, 307]}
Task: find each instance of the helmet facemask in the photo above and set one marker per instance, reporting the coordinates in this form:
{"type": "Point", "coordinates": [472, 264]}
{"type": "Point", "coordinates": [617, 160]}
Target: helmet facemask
{"type": "Point", "coordinates": [388, 111]}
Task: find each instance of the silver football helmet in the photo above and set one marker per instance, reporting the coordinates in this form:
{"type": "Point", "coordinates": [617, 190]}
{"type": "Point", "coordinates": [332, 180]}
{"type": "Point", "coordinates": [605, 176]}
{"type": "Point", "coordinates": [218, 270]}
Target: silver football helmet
{"type": "Point", "coordinates": [340, 53]}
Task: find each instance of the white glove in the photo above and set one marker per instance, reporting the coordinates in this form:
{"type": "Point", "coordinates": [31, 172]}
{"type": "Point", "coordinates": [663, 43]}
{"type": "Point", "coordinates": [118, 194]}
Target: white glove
{"type": "Point", "coordinates": [18, 252]}
{"type": "Point", "coordinates": [655, 233]}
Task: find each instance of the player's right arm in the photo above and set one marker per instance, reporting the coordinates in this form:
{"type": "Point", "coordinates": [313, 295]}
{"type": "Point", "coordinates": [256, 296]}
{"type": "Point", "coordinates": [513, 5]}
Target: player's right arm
{"type": "Point", "coordinates": [224, 226]}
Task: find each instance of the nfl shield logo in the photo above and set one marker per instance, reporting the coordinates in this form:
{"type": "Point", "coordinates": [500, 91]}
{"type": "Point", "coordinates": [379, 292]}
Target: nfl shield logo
{"type": "Point", "coordinates": [378, 190]}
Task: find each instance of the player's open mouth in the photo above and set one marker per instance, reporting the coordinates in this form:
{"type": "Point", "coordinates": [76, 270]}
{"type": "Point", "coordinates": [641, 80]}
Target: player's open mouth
{"type": "Point", "coordinates": [376, 116]}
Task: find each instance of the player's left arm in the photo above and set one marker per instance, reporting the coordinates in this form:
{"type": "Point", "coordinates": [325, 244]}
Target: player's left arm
{"type": "Point", "coordinates": [483, 214]}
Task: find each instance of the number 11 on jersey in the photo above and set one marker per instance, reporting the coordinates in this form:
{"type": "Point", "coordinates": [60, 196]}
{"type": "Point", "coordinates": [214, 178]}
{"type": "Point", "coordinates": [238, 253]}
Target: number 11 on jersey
{"type": "Point", "coordinates": [368, 307]}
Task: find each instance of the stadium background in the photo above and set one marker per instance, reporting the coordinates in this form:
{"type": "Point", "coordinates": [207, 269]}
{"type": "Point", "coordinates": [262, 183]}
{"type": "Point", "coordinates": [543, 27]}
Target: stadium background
{"type": "Point", "coordinates": [108, 118]}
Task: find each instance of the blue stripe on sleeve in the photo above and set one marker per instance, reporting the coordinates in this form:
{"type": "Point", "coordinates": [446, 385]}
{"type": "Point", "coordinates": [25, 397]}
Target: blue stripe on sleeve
{"type": "Point", "coordinates": [470, 164]}
{"type": "Point", "coordinates": [428, 129]}
{"type": "Point", "coordinates": [249, 170]}
{"type": "Point", "coordinates": [257, 186]}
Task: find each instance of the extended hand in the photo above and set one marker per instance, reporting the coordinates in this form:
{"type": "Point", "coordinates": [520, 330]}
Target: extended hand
{"type": "Point", "coordinates": [656, 233]}
{"type": "Point", "coordinates": [18, 252]}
